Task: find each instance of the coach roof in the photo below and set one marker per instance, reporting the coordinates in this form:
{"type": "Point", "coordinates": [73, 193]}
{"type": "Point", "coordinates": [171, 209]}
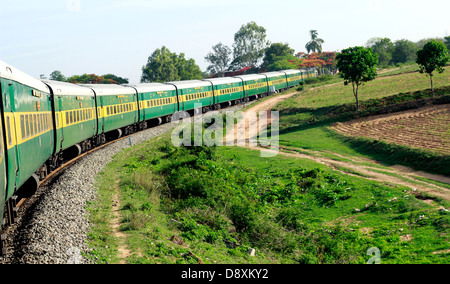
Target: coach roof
{"type": "Point", "coordinates": [110, 90]}
{"type": "Point", "coordinates": [251, 77]}
{"type": "Point", "coordinates": [68, 89]}
{"type": "Point", "coordinates": [9, 72]}
{"type": "Point", "coordinates": [225, 80]}
{"type": "Point", "coordinates": [190, 84]}
{"type": "Point", "coordinates": [152, 87]}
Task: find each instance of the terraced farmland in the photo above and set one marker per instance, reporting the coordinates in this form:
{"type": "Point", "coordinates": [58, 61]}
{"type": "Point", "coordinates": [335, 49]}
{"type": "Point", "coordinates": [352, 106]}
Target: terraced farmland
{"type": "Point", "coordinates": [426, 128]}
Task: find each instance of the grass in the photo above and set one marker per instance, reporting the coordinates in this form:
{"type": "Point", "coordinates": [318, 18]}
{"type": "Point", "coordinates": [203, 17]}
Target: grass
{"type": "Point", "coordinates": [195, 205]}
{"type": "Point", "coordinates": [337, 94]}
{"type": "Point", "coordinates": [192, 205]}
{"type": "Point", "coordinates": [305, 118]}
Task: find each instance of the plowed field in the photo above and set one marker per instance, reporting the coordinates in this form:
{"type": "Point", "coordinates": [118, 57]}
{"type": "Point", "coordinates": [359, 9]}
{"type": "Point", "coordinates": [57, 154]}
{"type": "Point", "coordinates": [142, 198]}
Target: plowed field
{"type": "Point", "coordinates": [425, 128]}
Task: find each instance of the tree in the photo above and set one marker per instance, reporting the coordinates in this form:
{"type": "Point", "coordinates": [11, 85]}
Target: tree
{"type": "Point", "coordinates": [249, 46]}
{"type": "Point", "coordinates": [161, 67]}
{"type": "Point", "coordinates": [315, 45]}
{"type": "Point", "coordinates": [357, 65]}
{"type": "Point", "coordinates": [283, 63]}
{"type": "Point", "coordinates": [384, 48]}
{"type": "Point", "coordinates": [432, 57]}
{"type": "Point", "coordinates": [164, 66]}
{"type": "Point", "coordinates": [447, 42]}
{"type": "Point", "coordinates": [404, 51]}
{"type": "Point", "coordinates": [187, 69]}
{"type": "Point", "coordinates": [220, 59]}
{"type": "Point", "coordinates": [275, 51]}
{"type": "Point", "coordinates": [89, 79]}
{"type": "Point", "coordinates": [57, 76]}
{"type": "Point", "coordinates": [115, 78]}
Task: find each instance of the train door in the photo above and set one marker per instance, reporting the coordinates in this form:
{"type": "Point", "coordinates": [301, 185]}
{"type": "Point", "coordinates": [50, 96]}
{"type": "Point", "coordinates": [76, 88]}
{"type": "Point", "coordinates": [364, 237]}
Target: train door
{"type": "Point", "coordinates": [101, 120]}
{"type": "Point", "coordinates": [59, 122]}
{"type": "Point", "coordinates": [12, 145]}
{"type": "Point", "coordinates": [3, 181]}
{"type": "Point", "coordinates": [3, 175]}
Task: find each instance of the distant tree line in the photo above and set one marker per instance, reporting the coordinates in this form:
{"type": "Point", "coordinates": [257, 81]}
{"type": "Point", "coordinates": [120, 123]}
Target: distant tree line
{"type": "Point", "coordinates": [357, 65]}
{"type": "Point", "coordinates": [87, 78]}
{"type": "Point", "coordinates": [399, 52]}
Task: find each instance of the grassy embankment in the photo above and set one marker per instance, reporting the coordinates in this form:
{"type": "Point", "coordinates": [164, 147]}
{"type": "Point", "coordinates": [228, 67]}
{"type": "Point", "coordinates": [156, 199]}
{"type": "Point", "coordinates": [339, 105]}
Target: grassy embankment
{"type": "Point", "coordinates": [213, 205]}
{"type": "Point", "coordinates": [305, 118]}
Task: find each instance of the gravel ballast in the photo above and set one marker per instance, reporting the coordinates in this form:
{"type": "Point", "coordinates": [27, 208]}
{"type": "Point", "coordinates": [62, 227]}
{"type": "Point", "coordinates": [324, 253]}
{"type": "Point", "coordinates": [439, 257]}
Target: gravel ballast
{"type": "Point", "coordinates": [54, 229]}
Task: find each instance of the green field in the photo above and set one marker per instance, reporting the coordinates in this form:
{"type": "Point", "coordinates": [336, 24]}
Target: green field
{"type": "Point", "coordinates": [215, 205]}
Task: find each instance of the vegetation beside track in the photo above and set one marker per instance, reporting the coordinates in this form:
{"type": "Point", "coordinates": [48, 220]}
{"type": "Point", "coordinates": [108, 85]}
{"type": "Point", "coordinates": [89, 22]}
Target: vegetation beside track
{"type": "Point", "coordinates": [214, 205]}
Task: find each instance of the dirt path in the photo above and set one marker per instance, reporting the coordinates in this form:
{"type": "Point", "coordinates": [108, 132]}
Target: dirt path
{"type": "Point", "coordinates": [116, 222]}
{"type": "Point", "coordinates": [395, 175]}
{"type": "Point", "coordinates": [243, 136]}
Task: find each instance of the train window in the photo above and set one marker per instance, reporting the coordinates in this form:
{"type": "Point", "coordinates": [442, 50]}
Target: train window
{"type": "Point", "coordinates": [8, 129]}
{"type": "Point", "coordinates": [27, 125]}
{"type": "Point", "coordinates": [121, 108]}
{"type": "Point", "coordinates": [22, 126]}
{"type": "Point", "coordinates": [30, 121]}
{"type": "Point", "coordinates": [37, 123]}
{"type": "Point", "coordinates": [41, 122]}
{"type": "Point", "coordinates": [71, 117]}
{"type": "Point", "coordinates": [78, 116]}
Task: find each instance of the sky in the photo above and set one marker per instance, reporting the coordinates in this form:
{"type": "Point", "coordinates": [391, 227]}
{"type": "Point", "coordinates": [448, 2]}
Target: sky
{"type": "Point", "coordinates": [117, 36]}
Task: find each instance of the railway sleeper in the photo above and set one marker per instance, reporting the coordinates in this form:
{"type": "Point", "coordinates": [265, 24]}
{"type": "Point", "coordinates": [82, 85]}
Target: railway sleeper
{"type": "Point", "coordinates": [11, 211]}
{"type": "Point", "coordinates": [3, 248]}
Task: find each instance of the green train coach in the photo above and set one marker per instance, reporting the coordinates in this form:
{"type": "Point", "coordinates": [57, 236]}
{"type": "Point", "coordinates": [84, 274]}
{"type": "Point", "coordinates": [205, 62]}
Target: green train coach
{"type": "Point", "coordinates": [276, 81]}
{"type": "Point", "coordinates": [75, 119]}
{"type": "Point", "coordinates": [226, 91]}
{"type": "Point", "coordinates": [194, 95]}
{"type": "Point", "coordinates": [156, 102]}
{"type": "Point", "coordinates": [254, 86]}
{"type": "Point", "coordinates": [117, 110]}
{"type": "Point", "coordinates": [293, 78]}
{"type": "Point", "coordinates": [27, 133]}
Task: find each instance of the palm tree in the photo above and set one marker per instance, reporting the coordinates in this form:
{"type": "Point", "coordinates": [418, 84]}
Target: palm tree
{"type": "Point", "coordinates": [315, 45]}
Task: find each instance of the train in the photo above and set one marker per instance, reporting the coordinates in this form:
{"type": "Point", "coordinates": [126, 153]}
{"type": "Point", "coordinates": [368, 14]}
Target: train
{"type": "Point", "coordinates": [44, 122]}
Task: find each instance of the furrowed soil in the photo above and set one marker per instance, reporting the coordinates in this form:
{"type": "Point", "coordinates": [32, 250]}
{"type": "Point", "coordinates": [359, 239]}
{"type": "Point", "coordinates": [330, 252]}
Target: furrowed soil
{"type": "Point", "coordinates": [426, 128]}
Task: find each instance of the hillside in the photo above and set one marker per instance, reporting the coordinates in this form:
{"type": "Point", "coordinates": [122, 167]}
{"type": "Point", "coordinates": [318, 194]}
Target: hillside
{"type": "Point", "coordinates": [324, 198]}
